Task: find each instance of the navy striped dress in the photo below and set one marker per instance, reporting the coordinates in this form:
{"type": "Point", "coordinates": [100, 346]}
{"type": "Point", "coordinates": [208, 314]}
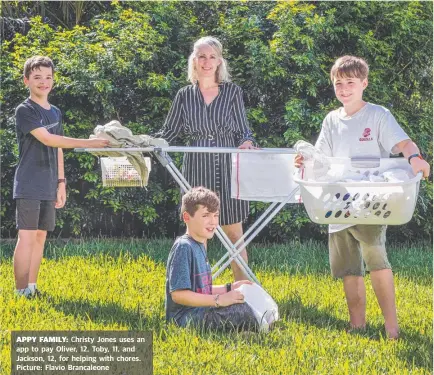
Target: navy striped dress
{"type": "Point", "coordinates": [222, 123]}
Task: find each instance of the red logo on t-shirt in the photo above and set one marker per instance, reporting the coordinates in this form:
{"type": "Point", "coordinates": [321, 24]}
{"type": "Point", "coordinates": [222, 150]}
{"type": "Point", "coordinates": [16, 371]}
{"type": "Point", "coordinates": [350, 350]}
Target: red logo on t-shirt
{"type": "Point", "coordinates": [365, 135]}
{"type": "Point", "coordinates": [206, 279]}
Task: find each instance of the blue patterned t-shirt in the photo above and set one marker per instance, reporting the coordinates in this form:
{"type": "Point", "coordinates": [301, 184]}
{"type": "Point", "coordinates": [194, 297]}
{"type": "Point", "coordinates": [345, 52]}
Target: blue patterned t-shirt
{"type": "Point", "coordinates": [187, 268]}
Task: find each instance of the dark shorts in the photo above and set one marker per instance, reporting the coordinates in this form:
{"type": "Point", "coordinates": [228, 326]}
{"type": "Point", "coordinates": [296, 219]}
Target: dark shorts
{"type": "Point", "coordinates": [33, 214]}
{"type": "Point", "coordinates": [237, 317]}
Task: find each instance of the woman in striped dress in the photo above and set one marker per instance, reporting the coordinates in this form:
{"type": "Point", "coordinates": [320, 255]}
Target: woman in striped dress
{"type": "Point", "coordinates": [211, 113]}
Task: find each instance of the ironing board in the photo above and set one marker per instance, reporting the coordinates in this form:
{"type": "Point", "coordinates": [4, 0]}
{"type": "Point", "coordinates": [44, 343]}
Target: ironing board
{"type": "Point", "coordinates": [233, 249]}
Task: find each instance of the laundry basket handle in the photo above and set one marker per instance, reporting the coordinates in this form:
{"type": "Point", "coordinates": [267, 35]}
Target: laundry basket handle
{"type": "Point", "coordinates": [365, 162]}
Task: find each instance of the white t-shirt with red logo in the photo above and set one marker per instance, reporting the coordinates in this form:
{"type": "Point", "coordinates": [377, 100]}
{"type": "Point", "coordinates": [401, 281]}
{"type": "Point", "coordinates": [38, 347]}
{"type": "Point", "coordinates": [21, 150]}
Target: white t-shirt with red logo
{"type": "Point", "coordinates": [371, 132]}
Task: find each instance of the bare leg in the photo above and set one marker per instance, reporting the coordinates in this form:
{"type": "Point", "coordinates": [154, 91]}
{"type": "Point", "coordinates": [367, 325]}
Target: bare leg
{"type": "Point", "coordinates": [384, 288]}
{"type": "Point", "coordinates": [22, 257]}
{"type": "Point", "coordinates": [355, 294]}
{"type": "Point", "coordinates": [38, 251]}
{"type": "Point", "coordinates": [235, 232]}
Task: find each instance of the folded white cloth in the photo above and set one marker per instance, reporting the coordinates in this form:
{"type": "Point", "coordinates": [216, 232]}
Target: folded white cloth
{"type": "Point", "coordinates": [391, 175]}
{"type": "Point", "coordinates": [395, 175]}
{"type": "Point", "coordinates": [263, 177]}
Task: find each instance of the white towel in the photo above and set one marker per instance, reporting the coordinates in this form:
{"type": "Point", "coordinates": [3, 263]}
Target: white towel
{"type": "Point", "coordinates": [263, 177]}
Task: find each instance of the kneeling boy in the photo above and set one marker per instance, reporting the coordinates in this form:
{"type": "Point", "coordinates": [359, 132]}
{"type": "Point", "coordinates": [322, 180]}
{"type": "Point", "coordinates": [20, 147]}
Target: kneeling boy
{"type": "Point", "coordinates": [190, 296]}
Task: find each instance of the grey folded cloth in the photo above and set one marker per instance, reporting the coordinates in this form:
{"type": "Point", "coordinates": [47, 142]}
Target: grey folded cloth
{"type": "Point", "coordinates": [122, 137]}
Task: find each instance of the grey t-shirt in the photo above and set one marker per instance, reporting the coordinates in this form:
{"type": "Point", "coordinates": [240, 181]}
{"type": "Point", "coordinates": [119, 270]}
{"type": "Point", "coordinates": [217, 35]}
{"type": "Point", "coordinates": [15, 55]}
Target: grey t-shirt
{"type": "Point", "coordinates": [187, 268]}
{"type": "Point", "coordinates": [36, 172]}
{"type": "Point", "coordinates": [372, 132]}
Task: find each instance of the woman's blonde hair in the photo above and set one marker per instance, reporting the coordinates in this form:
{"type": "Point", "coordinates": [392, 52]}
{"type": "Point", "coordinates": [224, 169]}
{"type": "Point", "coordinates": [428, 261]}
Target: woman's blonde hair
{"type": "Point", "coordinates": [222, 73]}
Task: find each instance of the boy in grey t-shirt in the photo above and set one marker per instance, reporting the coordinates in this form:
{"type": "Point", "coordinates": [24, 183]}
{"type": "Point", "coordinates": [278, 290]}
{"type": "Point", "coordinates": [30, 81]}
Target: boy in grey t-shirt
{"type": "Point", "coordinates": [190, 296]}
{"type": "Point", "coordinates": [361, 129]}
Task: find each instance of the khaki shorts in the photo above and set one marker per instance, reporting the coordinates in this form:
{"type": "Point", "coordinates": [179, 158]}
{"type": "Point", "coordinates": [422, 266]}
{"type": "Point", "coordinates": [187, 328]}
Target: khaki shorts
{"type": "Point", "coordinates": [349, 248]}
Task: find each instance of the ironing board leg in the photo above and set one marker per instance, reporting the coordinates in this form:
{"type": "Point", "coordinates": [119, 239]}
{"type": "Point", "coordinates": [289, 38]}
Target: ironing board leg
{"type": "Point", "coordinates": [246, 234]}
{"type": "Point", "coordinates": [265, 221]}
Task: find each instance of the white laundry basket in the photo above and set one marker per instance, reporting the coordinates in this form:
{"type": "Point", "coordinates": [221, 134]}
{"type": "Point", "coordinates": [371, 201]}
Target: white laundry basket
{"type": "Point", "coordinates": [364, 202]}
{"type": "Point", "coordinates": [118, 172]}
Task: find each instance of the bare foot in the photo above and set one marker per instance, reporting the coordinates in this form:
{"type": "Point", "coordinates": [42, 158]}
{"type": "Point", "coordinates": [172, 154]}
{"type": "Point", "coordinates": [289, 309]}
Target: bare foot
{"type": "Point", "coordinates": [392, 334]}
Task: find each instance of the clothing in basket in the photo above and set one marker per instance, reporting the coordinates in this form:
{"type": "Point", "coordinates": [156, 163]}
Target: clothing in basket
{"type": "Point", "coordinates": [372, 132]}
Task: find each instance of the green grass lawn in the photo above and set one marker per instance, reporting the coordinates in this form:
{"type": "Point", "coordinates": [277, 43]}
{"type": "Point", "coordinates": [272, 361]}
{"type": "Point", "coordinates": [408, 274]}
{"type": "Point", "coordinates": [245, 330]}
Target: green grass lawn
{"type": "Point", "coordinates": [111, 285]}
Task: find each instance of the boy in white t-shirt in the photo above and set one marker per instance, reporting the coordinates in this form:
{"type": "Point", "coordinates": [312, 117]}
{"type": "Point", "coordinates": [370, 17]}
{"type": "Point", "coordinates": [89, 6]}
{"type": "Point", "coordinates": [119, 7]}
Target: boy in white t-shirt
{"type": "Point", "coordinates": [361, 129]}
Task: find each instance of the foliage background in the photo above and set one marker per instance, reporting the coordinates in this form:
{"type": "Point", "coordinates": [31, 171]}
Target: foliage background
{"type": "Point", "coordinates": [126, 61]}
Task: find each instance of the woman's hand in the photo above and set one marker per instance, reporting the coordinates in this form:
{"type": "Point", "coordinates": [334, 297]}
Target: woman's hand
{"type": "Point", "coordinates": [248, 145]}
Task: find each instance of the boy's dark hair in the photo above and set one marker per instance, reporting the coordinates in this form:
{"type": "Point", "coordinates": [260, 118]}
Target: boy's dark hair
{"type": "Point", "coordinates": [199, 196]}
{"type": "Point", "coordinates": [35, 62]}
{"type": "Point", "coordinates": [349, 67]}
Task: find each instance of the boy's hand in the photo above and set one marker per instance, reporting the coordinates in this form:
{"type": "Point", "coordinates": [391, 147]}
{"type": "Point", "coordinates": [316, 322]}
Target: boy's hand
{"type": "Point", "coordinates": [420, 165]}
{"type": "Point", "coordinates": [61, 196]}
{"type": "Point", "coordinates": [97, 142]}
{"type": "Point", "coordinates": [298, 161]}
{"type": "Point", "coordinates": [237, 284]}
{"type": "Point", "coordinates": [230, 298]}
